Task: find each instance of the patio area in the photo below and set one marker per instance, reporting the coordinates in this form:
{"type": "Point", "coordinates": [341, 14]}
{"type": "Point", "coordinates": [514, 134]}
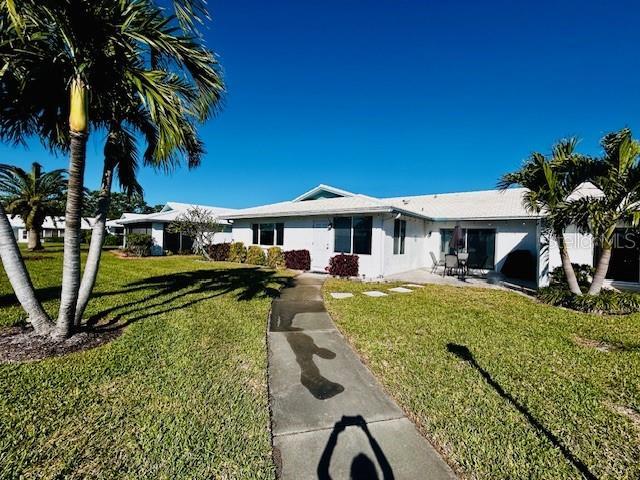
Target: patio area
{"type": "Point", "coordinates": [473, 278]}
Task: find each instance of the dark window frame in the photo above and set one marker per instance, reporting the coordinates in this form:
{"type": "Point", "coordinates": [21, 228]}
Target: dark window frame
{"type": "Point", "coordinates": [399, 236]}
{"type": "Point", "coordinates": [275, 231]}
{"type": "Point", "coordinates": [360, 234]}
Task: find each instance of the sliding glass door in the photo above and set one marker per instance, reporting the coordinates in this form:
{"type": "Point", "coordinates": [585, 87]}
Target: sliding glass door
{"type": "Point", "coordinates": [624, 265]}
{"type": "Point", "coordinates": [479, 243]}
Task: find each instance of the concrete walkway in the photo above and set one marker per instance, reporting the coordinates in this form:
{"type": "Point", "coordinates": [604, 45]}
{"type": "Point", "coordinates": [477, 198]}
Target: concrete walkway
{"type": "Point", "coordinates": [330, 417]}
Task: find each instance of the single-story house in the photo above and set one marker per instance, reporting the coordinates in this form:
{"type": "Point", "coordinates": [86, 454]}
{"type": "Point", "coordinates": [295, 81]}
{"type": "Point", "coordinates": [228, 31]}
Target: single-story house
{"type": "Point", "coordinates": [52, 227]}
{"type": "Point", "coordinates": [399, 234]}
{"type": "Point", "coordinates": [155, 224]}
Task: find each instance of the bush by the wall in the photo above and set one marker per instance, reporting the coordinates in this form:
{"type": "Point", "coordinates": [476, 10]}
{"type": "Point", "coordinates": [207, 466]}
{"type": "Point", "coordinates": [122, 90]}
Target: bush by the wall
{"type": "Point", "coordinates": [112, 240]}
{"type": "Point", "coordinates": [139, 244]}
{"type": "Point", "coordinates": [256, 256]}
{"type": "Point", "coordinates": [297, 259]}
{"type": "Point", "coordinates": [219, 252]}
{"type": "Point", "coordinates": [53, 240]}
{"type": "Point", "coordinates": [275, 258]}
{"type": "Point", "coordinates": [343, 265]}
{"type": "Point", "coordinates": [237, 252]}
{"type": "Point", "coordinates": [584, 274]}
{"type": "Point", "coordinates": [606, 302]}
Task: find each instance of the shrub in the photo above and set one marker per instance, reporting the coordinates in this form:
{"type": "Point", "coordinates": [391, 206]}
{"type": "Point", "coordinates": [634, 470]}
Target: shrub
{"type": "Point", "coordinates": [297, 259]}
{"type": "Point", "coordinates": [584, 274]}
{"type": "Point", "coordinates": [86, 236]}
{"type": "Point", "coordinates": [219, 252]}
{"type": "Point", "coordinates": [606, 302]}
{"type": "Point", "coordinates": [237, 252]}
{"type": "Point", "coordinates": [343, 265]}
{"type": "Point", "coordinates": [112, 240]}
{"type": "Point", "coordinates": [275, 258]}
{"type": "Point", "coordinates": [53, 240]}
{"type": "Point", "coordinates": [139, 244]}
{"type": "Point", "coordinates": [256, 256]}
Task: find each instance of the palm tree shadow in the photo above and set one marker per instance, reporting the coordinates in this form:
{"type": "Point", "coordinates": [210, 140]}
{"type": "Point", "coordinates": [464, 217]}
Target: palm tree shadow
{"type": "Point", "coordinates": [464, 354]}
{"type": "Point", "coordinates": [180, 290]}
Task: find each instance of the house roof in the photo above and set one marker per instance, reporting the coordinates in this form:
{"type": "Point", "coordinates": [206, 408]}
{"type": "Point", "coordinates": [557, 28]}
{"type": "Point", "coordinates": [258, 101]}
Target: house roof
{"type": "Point", "coordinates": [170, 212]}
{"type": "Point", "coordinates": [479, 205]}
{"type": "Point", "coordinates": [483, 205]}
{"type": "Point", "coordinates": [51, 222]}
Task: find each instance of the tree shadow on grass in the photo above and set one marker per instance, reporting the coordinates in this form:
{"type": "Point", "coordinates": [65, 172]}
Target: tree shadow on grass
{"type": "Point", "coordinates": [180, 290]}
{"type": "Point", "coordinates": [464, 354]}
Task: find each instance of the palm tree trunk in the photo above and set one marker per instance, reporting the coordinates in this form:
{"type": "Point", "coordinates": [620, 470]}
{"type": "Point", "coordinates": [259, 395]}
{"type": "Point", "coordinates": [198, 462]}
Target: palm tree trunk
{"type": "Point", "coordinates": [566, 265]}
{"type": "Point", "coordinates": [601, 271]}
{"type": "Point", "coordinates": [72, 237]}
{"type": "Point", "coordinates": [95, 247]}
{"type": "Point", "coordinates": [20, 279]}
{"type": "Point", "coordinates": [34, 239]}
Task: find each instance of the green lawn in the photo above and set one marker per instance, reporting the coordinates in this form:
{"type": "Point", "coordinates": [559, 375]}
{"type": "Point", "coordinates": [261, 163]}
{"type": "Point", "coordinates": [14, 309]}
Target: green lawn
{"type": "Point", "coordinates": [180, 394]}
{"type": "Point", "coordinates": [499, 383]}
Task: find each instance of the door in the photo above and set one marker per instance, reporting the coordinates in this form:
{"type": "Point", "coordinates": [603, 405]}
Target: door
{"type": "Point", "coordinates": [320, 248]}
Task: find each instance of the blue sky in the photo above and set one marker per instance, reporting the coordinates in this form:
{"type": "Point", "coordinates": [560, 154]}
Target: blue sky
{"type": "Point", "coordinates": [397, 97]}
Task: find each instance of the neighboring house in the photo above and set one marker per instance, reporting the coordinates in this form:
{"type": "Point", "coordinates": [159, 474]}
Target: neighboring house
{"type": "Point", "coordinates": [155, 224]}
{"type": "Point", "coordinates": [395, 235]}
{"type": "Point", "coordinates": [52, 227]}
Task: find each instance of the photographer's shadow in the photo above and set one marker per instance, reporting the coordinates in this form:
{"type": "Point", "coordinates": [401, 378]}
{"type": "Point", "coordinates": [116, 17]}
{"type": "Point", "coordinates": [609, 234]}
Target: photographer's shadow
{"type": "Point", "coordinates": [362, 467]}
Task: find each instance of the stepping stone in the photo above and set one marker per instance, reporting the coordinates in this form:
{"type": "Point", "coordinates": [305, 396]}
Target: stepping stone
{"type": "Point", "coordinates": [400, 290]}
{"type": "Point", "coordinates": [413, 285]}
{"type": "Point", "coordinates": [375, 293]}
{"type": "Point", "coordinates": [341, 295]}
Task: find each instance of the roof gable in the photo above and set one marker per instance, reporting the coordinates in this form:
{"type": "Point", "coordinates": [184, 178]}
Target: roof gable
{"type": "Point", "coordinates": [322, 192]}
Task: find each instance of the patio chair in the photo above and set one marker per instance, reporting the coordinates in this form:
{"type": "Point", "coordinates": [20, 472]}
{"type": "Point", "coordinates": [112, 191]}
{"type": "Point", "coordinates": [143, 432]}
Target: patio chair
{"type": "Point", "coordinates": [436, 263]}
{"type": "Point", "coordinates": [450, 264]}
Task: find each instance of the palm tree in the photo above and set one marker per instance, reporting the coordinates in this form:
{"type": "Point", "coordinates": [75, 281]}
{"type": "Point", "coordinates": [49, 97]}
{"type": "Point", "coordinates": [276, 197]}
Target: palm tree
{"type": "Point", "coordinates": [34, 196]}
{"type": "Point", "coordinates": [549, 182]}
{"type": "Point", "coordinates": [617, 177]}
{"type": "Point", "coordinates": [57, 49]}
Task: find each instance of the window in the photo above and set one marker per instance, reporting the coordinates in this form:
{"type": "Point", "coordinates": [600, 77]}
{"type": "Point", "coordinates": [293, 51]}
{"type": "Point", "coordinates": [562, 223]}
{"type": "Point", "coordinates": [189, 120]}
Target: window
{"type": "Point", "coordinates": [362, 227]}
{"type": "Point", "coordinates": [268, 233]}
{"type": "Point", "coordinates": [24, 234]}
{"type": "Point", "coordinates": [144, 228]}
{"type": "Point", "coordinates": [399, 233]}
{"type": "Point", "coordinates": [279, 233]}
{"type": "Point", "coordinates": [352, 234]}
{"type": "Point", "coordinates": [342, 234]}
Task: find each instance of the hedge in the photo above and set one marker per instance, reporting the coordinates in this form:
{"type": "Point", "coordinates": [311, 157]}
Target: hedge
{"type": "Point", "coordinates": [297, 259]}
{"type": "Point", "coordinates": [139, 244]}
{"type": "Point", "coordinates": [343, 265]}
{"type": "Point", "coordinates": [609, 302]}
{"type": "Point", "coordinates": [237, 252]}
{"type": "Point", "coordinates": [275, 258]}
{"type": "Point", "coordinates": [219, 252]}
{"type": "Point", "coordinates": [256, 256]}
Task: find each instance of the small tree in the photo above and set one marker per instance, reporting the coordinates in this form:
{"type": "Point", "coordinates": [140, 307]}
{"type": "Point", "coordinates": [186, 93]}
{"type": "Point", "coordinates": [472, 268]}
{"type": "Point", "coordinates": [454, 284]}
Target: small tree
{"type": "Point", "coordinates": [32, 195]}
{"type": "Point", "coordinates": [199, 224]}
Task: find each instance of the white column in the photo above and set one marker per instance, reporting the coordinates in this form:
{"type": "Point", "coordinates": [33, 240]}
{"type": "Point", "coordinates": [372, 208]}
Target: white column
{"type": "Point", "coordinates": [157, 233]}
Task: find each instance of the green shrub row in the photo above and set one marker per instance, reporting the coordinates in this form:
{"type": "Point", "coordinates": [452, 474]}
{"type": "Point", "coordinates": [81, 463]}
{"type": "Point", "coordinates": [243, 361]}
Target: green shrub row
{"type": "Point", "coordinates": [609, 302]}
{"type": "Point", "coordinates": [254, 255]}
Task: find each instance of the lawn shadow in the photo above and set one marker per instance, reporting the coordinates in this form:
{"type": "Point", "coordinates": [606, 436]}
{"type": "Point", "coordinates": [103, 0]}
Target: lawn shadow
{"type": "Point", "coordinates": [464, 354]}
{"type": "Point", "coordinates": [180, 290]}
{"type": "Point", "coordinates": [362, 467]}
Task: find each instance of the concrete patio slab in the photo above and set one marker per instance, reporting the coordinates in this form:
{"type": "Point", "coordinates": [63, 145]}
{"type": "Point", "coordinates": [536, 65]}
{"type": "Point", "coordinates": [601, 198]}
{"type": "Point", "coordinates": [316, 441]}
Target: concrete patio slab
{"type": "Point", "coordinates": [413, 285]}
{"type": "Point", "coordinates": [391, 449]}
{"type": "Point", "coordinates": [330, 417]}
{"type": "Point", "coordinates": [341, 295]}
{"type": "Point", "coordinates": [400, 290]}
{"type": "Point", "coordinates": [375, 293]}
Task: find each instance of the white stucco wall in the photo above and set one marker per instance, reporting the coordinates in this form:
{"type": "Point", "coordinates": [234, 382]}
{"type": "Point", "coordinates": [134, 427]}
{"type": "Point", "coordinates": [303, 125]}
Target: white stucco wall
{"type": "Point", "coordinates": [299, 235]}
{"type": "Point", "coordinates": [416, 254]}
{"type": "Point", "coordinates": [579, 246]}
